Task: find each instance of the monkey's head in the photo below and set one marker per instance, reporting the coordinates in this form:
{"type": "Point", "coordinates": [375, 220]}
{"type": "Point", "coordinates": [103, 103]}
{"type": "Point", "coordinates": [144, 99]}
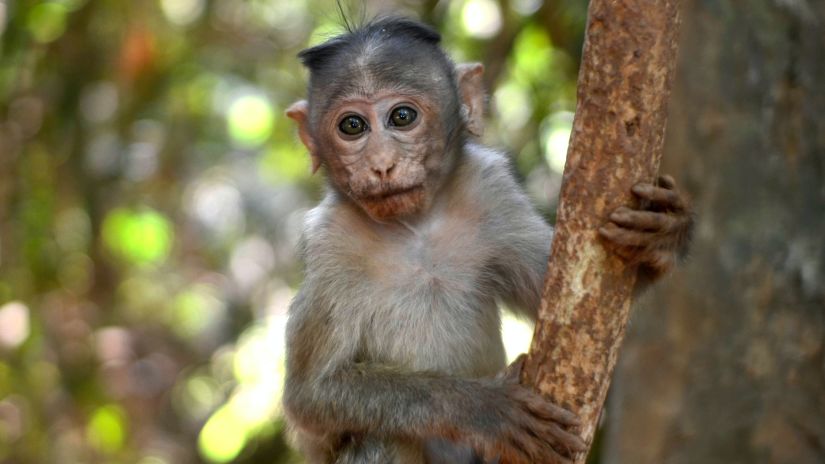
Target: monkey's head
{"type": "Point", "coordinates": [387, 115]}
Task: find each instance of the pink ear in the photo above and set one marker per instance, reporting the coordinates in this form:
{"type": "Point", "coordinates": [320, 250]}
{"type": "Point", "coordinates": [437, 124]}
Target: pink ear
{"type": "Point", "coordinates": [471, 86]}
{"type": "Point", "coordinates": [299, 112]}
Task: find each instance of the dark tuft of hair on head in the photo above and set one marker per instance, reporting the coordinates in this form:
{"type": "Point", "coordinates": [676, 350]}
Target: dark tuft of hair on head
{"type": "Point", "coordinates": [387, 27]}
{"type": "Point", "coordinates": [345, 17]}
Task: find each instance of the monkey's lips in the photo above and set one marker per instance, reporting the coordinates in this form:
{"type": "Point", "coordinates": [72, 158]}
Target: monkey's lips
{"type": "Point", "coordinates": [394, 202]}
{"type": "Point", "coordinates": [392, 192]}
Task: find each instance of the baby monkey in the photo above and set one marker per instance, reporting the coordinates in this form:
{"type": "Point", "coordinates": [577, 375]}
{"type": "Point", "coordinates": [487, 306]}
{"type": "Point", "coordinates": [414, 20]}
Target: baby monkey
{"type": "Point", "coordinates": [394, 351]}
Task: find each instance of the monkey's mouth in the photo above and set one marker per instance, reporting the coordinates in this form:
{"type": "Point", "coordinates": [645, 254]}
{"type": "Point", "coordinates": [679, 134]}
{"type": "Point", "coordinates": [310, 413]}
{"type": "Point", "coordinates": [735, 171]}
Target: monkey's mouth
{"type": "Point", "coordinates": [393, 192]}
{"type": "Point", "coordinates": [394, 202]}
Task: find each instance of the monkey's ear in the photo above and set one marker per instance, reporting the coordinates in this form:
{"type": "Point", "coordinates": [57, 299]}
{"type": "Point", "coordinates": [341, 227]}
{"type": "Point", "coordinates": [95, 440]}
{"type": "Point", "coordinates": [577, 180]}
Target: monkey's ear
{"type": "Point", "coordinates": [471, 86]}
{"type": "Point", "coordinates": [299, 112]}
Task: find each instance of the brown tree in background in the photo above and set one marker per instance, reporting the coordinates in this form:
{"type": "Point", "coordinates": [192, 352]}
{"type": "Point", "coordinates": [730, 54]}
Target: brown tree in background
{"type": "Point", "coordinates": [618, 134]}
{"type": "Point", "coordinates": [727, 362]}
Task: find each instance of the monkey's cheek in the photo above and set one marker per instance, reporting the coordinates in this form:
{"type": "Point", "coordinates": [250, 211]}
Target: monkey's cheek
{"type": "Point", "coordinates": [396, 206]}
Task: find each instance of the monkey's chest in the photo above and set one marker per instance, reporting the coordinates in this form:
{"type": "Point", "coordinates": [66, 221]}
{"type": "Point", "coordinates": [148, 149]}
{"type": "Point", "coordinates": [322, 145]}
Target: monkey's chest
{"type": "Point", "coordinates": [431, 307]}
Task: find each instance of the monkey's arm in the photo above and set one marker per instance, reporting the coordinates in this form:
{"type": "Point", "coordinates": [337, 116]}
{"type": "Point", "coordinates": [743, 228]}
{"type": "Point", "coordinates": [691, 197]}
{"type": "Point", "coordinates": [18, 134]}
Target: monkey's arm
{"type": "Point", "coordinates": [520, 242]}
{"type": "Point", "coordinates": [655, 235]}
{"type": "Point", "coordinates": [327, 392]}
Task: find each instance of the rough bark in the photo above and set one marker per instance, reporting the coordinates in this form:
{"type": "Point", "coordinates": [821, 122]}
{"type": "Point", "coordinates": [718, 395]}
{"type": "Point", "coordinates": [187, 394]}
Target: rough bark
{"type": "Point", "coordinates": [618, 134]}
{"type": "Point", "coordinates": [725, 362]}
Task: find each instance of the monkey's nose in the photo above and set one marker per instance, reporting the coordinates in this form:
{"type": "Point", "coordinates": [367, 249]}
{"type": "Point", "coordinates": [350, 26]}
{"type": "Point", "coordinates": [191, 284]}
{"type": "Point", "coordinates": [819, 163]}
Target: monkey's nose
{"type": "Point", "coordinates": [383, 173]}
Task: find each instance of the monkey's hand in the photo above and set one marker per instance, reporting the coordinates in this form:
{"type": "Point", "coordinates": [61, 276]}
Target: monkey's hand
{"type": "Point", "coordinates": [655, 235]}
{"type": "Point", "coordinates": [520, 426]}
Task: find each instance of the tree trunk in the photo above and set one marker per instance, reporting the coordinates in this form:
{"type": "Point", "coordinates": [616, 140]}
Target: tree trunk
{"type": "Point", "coordinates": [727, 363]}
{"type": "Point", "coordinates": [618, 134]}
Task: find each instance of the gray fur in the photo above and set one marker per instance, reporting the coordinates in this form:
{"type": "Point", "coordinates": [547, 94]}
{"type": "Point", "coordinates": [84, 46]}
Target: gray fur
{"type": "Point", "coordinates": [396, 329]}
{"type": "Point", "coordinates": [393, 341]}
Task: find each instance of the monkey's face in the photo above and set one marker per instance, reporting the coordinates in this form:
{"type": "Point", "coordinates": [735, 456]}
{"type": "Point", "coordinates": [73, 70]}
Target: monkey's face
{"type": "Point", "coordinates": [387, 152]}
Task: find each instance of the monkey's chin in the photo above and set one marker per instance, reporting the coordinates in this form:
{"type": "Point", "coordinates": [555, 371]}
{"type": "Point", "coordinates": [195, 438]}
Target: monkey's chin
{"type": "Point", "coordinates": [395, 206]}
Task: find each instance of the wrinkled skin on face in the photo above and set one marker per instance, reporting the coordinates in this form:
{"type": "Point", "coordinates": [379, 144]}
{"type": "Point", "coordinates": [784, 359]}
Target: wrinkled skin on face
{"type": "Point", "coordinates": [390, 170]}
{"type": "Point", "coordinates": [391, 164]}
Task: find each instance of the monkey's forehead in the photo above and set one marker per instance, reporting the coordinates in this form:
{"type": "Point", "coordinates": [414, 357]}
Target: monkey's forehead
{"type": "Point", "coordinates": [370, 79]}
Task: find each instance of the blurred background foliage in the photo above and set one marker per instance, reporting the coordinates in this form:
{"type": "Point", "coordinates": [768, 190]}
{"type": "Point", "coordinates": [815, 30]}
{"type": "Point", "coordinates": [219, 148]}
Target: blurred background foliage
{"type": "Point", "coordinates": [151, 193]}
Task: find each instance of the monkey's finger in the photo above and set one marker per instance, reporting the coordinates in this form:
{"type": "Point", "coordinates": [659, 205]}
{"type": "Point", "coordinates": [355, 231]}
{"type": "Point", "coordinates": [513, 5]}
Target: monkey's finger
{"type": "Point", "coordinates": [626, 237]}
{"type": "Point", "coordinates": [659, 196]}
{"type": "Point", "coordinates": [641, 220]}
{"type": "Point", "coordinates": [544, 409]}
{"type": "Point", "coordinates": [532, 447]}
{"type": "Point", "coordinates": [569, 442]}
{"type": "Point", "coordinates": [557, 453]}
{"type": "Point", "coordinates": [556, 458]}
{"type": "Point", "coordinates": [666, 181]}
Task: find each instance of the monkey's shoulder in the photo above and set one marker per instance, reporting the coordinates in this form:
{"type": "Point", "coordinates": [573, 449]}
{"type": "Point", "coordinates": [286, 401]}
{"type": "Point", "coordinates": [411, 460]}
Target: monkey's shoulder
{"type": "Point", "coordinates": [490, 177]}
{"type": "Point", "coordinates": [494, 191]}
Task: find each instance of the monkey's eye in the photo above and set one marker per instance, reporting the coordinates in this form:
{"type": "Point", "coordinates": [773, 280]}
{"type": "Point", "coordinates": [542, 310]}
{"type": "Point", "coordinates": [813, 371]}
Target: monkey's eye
{"type": "Point", "coordinates": [352, 125]}
{"type": "Point", "coordinates": [402, 116]}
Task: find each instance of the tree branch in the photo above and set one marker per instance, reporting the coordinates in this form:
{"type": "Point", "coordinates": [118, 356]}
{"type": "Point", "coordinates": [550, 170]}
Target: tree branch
{"type": "Point", "coordinates": [618, 134]}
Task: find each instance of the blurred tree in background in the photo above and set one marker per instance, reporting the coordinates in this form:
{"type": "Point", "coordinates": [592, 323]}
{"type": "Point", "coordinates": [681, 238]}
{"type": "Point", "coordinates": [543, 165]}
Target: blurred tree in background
{"type": "Point", "coordinates": [727, 365]}
{"type": "Point", "coordinates": [151, 194]}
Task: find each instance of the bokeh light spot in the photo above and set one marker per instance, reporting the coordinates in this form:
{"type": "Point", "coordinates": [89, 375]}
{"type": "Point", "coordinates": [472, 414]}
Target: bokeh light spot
{"type": "Point", "coordinates": [106, 429]}
{"type": "Point", "coordinates": [4, 15]}
{"type": "Point", "coordinates": [14, 324]}
{"type": "Point", "coordinates": [223, 436]}
{"type": "Point", "coordinates": [513, 105]}
{"type": "Point", "coordinates": [250, 119]}
{"type": "Point", "coordinates": [182, 12]}
{"type": "Point", "coordinates": [194, 310]}
{"type": "Point", "coordinates": [286, 161]}
{"type": "Point", "coordinates": [216, 203]}
{"type": "Point", "coordinates": [138, 237]}
{"type": "Point", "coordinates": [533, 56]}
{"type": "Point", "coordinates": [555, 138]}
{"type": "Point", "coordinates": [481, 18]}
{"type": "Point", "coordinates": [47, 21]}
